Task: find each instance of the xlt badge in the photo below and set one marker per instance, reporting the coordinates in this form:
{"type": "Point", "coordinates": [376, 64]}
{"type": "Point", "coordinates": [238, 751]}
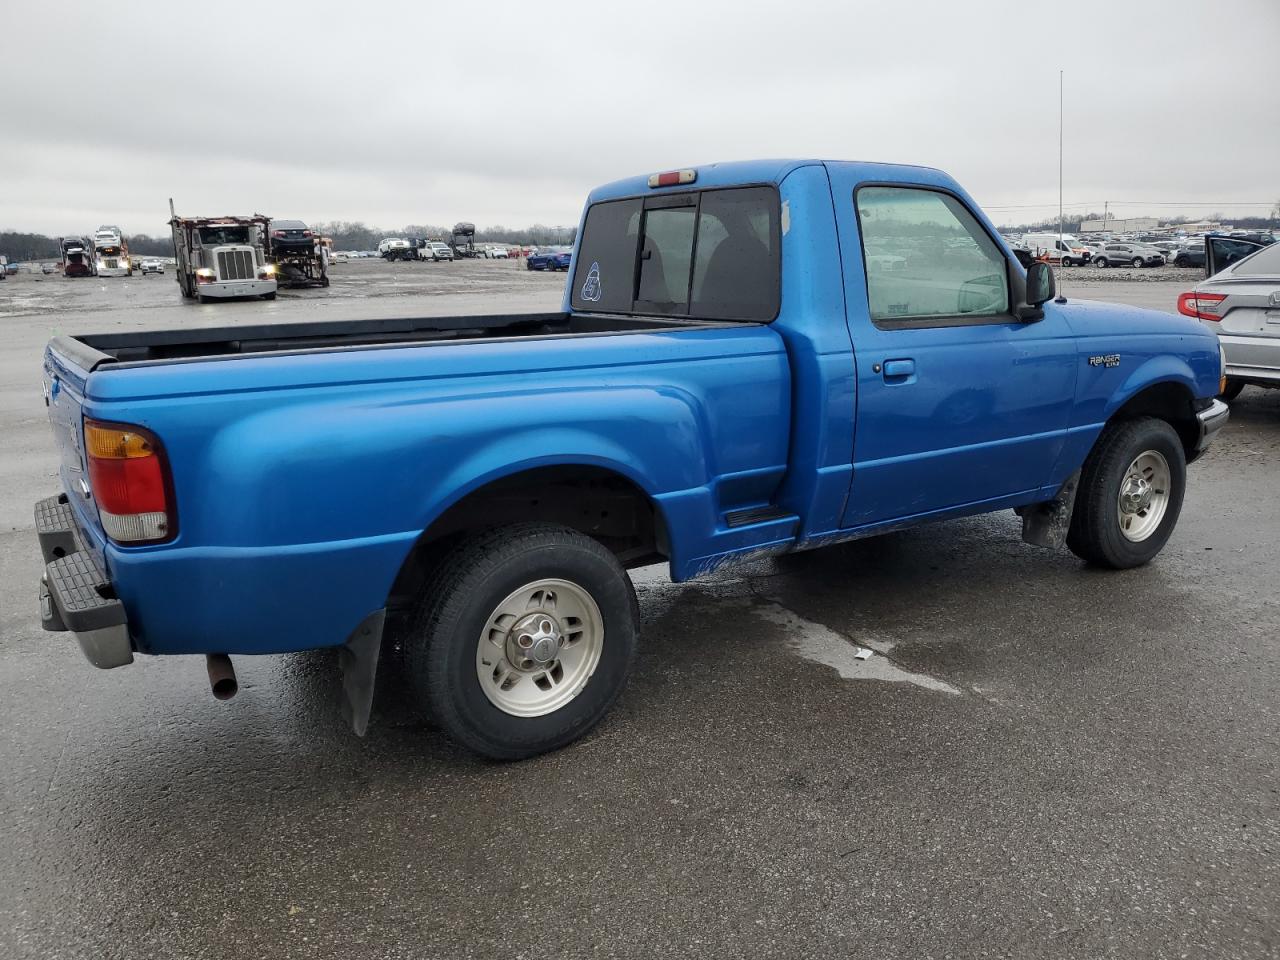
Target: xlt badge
{"type": "Point", "coordinates": [1106, 360]}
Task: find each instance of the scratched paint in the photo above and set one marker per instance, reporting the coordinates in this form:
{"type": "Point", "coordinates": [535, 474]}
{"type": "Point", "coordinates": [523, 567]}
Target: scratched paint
{"type": "Point", "coordinates": [819, 644]}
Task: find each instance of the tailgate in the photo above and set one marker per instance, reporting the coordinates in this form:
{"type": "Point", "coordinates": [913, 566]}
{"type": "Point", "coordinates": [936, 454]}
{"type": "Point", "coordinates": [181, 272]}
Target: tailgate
{"type": "Point", "coordinates": [64, 388]}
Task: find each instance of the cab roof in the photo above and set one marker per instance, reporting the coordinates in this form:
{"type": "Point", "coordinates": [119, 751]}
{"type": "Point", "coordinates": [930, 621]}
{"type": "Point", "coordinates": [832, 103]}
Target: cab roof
{"type": "Point", "coordinates": [739, 172]}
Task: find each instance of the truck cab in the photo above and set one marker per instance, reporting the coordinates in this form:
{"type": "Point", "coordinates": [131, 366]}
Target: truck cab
{"type": "Point", "coordinates": [222, 257]}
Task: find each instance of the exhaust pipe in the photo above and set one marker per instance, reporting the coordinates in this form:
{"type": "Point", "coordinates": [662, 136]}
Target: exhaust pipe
{"type": "Point", "coordinates": [222, 676]}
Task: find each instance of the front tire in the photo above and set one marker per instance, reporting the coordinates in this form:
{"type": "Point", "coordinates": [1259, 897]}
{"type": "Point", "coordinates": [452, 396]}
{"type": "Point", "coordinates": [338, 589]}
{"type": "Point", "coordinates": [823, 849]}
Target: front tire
{"type": "Point", "coordinates": [523, 640]}
{"type": "Point", "coordinates": [1136, 263]}
{"type": "Point", "coordinates": [1130, 494]}
{"type": "Point", "coordinates": [1099, 261]}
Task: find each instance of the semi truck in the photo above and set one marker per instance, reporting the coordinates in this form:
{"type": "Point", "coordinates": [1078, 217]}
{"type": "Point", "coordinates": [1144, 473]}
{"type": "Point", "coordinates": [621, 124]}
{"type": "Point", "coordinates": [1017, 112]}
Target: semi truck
{"type": "Point", "coordinates": [750, 359]}
{"type": "Point", "coordinates": [463, 240]}
{"type": "Point", "coordinates": [79, 258]}
{"type": "Point", "coordinates": [222, 257]}
{"type": "Point", "coordinates": [112, 259]}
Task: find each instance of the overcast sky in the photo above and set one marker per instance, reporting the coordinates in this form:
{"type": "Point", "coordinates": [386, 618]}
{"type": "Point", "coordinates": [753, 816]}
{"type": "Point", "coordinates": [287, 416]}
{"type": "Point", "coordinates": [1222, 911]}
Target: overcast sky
{"type": "Point", "coordinates": [508, 113]}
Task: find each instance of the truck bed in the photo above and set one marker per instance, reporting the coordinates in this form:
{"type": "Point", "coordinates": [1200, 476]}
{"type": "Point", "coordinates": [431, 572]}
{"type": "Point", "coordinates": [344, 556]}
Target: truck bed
{"type": "Point", "coordinates": [134, 347]}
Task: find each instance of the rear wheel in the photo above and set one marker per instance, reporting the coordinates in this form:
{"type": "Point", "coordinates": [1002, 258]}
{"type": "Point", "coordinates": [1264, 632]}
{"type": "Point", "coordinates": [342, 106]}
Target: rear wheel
{"type": "Point", "coordinates": [523, 640]}
{"type": "Point", "coordinates": [1130, 494]}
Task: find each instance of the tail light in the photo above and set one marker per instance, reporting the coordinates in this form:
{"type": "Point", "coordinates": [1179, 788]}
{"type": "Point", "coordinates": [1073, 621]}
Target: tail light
{"type": "Point", "coordinates": [1202, 306]}
{"type": "Point", "coordinates": [130, 480]}
{"type": "Point", "coordinates": [277, 234]}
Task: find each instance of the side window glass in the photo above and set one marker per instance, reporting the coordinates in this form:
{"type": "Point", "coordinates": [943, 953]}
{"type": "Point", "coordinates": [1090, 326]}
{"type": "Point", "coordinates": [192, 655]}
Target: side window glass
{"type": "Point", "coordinates": [927, 257]}
{"type": "Point", "coordinates": [664, 259]}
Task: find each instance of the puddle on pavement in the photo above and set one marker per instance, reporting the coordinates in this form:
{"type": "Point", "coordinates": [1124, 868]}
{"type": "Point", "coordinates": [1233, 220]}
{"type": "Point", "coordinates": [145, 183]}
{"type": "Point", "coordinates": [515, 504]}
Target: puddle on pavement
{"type": "Point", "coordinates": [819, 644]}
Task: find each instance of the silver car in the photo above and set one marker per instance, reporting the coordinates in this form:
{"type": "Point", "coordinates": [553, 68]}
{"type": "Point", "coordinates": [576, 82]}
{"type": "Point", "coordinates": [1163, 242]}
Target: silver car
{"type": "Point", "coordinates": [1241, 301]}
{"type": "Point", "coordinates": [1128, 253]}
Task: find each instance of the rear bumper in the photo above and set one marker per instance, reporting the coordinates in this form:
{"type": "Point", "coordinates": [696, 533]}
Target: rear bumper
{"type": "Point", "coordinates": [75, 595]}
{"type": "Point", "coordinates": [1211, 419]}
{"type": "Point", "coordinates": [1251, 358]}
{"type": "Point", "coordinates": [236, 288]}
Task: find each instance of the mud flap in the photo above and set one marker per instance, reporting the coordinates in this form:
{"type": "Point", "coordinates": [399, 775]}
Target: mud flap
{"type": "Point", "coordinates": [1046, 524]}
{"type": "Point", "coordinates": [359, 658]}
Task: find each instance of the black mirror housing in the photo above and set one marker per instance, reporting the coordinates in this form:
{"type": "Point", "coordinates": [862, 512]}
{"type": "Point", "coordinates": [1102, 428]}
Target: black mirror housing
{"type": "Point", "coordinates": [1041, 287]}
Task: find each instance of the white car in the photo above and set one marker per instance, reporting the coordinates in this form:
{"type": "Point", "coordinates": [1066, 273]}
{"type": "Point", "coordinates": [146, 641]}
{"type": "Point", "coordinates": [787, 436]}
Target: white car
{"type": "Point", "coordinates": [440, 251]}
{"type": "Point", "coordinates": [496, 253]}
{"type": "Point", "coordinates": [393, 248]}
{"type": "Point", "coordinates": [151, 265]}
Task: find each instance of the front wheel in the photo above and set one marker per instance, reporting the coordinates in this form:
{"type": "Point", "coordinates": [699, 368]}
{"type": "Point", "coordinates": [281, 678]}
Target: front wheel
{"type": "Point", "coordinates": [1136, 263]}
{"type": "Point", "coordinates": [1099, 261]}
{"type": "Point", "coordinates": [269, 296]}
{"type": "Point", "coordinates": [1130, 494]}
{"type": "Point", "coordinates": [523, 639]}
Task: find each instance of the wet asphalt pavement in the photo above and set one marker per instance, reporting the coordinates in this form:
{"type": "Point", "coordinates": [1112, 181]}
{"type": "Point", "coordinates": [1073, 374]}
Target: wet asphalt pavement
{"type": "Point", "coordinates": [1041, 760]}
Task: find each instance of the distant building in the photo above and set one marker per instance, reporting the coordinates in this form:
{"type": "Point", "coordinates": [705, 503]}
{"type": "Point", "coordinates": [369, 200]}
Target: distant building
{"type": "Point", "coordinates": [1112, 225]}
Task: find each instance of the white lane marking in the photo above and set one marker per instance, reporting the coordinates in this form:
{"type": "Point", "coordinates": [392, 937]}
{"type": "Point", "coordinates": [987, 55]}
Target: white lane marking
{"type": "Point", "coordinates": [815, 642]}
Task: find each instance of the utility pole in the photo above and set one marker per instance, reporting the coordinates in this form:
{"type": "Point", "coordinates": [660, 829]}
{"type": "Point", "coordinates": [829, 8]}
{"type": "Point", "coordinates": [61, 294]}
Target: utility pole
{"type": "Point", "coordinates": [1059, 166]}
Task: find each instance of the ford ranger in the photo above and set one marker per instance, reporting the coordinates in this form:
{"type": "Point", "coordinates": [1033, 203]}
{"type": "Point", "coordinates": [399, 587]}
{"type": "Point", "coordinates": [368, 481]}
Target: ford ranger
{"type": "Point", "coordinates": [752, 358]}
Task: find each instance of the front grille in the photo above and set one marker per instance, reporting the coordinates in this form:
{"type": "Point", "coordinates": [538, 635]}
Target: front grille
{"type": "Point", "coordinates": [236, 265]}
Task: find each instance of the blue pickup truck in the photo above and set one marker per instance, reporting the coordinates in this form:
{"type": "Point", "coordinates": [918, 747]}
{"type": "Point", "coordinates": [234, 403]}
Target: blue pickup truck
{"type": "Point", "coordinates": [752, 358]}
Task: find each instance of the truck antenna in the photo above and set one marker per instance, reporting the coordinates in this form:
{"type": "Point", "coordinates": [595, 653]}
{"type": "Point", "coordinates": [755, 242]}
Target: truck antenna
{"type": "Point", "coordinates": [1062, 298]}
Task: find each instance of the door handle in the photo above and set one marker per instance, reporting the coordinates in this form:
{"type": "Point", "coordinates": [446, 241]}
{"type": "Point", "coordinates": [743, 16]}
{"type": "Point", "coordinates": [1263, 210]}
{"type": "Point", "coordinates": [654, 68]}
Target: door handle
{"type": "Point", "coordinates": [898, 370]}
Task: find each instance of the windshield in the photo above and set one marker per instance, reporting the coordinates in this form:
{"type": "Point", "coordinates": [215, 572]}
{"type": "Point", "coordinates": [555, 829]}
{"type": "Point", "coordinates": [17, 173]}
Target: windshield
{"type": "Point", "coordinates": [217, 236]}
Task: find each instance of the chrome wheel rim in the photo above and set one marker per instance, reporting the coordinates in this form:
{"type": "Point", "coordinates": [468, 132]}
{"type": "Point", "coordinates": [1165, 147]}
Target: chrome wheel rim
{"type": "Point", "coordinates": [1144, 495]}
{"type": "Point", "coordinates": [539, 648]}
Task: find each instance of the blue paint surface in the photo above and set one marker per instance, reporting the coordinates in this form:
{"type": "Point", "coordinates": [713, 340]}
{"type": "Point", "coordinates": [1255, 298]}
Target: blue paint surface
{"type": "Point", "coordinates": [303, 480]}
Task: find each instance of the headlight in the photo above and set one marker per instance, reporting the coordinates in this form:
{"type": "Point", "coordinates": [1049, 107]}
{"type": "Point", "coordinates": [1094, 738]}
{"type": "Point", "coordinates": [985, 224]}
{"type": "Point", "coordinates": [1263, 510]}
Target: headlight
{"type": "Point", "coordinates": [269, 268]}
{"type": "Point", "coordinates": [204, 272]}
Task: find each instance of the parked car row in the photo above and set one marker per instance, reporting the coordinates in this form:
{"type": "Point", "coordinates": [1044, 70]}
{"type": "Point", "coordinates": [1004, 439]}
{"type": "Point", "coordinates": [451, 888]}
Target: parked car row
{"type": "Point", "coordinates": [1143, 251]}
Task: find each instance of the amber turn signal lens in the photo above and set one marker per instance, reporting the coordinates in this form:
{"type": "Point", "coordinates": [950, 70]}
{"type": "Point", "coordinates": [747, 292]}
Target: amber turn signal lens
{"type": "Point", "coordinates": [113, 443]}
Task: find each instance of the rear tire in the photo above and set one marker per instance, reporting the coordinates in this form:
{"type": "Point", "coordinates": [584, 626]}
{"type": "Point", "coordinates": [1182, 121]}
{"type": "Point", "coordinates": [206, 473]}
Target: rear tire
{"type": "Point", "coordinates": [461, 648]}
{"type": "Point", "coordinates": [1131, 457]}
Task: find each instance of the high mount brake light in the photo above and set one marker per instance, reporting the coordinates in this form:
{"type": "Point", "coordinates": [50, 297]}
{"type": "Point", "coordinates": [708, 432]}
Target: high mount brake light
{"type": "Point", "coordinates": [672, 178]}
{"type": "Point", "coordinates": [1202, 306]}
{"type": "Point", "coordinates": [130, 481]}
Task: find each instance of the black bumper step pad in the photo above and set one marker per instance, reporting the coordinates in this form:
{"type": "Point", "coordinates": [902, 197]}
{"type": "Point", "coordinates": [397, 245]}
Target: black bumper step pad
{"type": "Point", "coordinates": [55, 528]}
{"type": "Point", "coordinates": [83, 596]}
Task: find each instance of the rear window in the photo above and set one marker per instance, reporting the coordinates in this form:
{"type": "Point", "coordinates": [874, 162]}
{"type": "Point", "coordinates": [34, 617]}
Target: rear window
{"type": "Point", "coordinates": [1264, 263]}
{"type": "Point", "coordinates": [711, 254]}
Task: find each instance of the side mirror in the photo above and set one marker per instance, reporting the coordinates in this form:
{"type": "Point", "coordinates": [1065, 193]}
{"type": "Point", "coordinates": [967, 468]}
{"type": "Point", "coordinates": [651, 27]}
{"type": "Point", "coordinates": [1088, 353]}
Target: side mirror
{"type": "Point", "coordinates": [1040, 284]}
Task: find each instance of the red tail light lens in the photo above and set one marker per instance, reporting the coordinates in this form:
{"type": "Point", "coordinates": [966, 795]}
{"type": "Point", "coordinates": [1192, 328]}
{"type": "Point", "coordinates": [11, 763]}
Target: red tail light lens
{"type": "Point", "coordinates": [1202, 306]}
{"type": "Point", "coordinates": [129, 478]}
